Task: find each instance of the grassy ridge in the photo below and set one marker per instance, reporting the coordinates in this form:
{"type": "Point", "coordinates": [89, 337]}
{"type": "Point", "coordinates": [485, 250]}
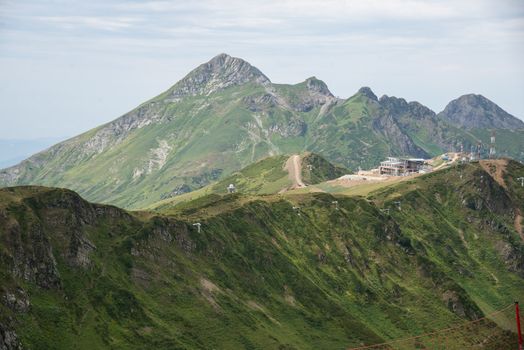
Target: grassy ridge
{"type": "Point", "coordinates": [262, 274]}
{"type": "Point", "coordinates": [267, 176]}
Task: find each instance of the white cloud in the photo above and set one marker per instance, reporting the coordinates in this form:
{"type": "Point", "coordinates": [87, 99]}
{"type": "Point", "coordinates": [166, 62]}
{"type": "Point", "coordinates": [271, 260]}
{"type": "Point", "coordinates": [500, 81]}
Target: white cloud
{"type": "Point", "coordinates": [93, 22]}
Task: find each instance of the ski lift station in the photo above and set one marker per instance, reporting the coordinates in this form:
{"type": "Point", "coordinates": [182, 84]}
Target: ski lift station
{"type": "Point", "coordinates": [402, 166]}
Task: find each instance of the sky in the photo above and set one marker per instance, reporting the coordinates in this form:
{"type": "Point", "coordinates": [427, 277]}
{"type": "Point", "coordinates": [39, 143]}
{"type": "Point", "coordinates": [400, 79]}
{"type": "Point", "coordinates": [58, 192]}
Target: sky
{"type": "Point", "coordinates": [68, 66]}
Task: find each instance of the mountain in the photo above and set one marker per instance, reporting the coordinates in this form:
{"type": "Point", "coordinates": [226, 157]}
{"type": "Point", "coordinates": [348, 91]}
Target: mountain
{"type": "Point", "coordinates": [221, 72]}
{"type": "Point", "coordinates": [481, 118]}
{"type": "Point", "coordinates": [477, 112]}
{"type": "Point", "coordinates": [282, 271]}
{"type": "Point", "coordinates": [225, 115]}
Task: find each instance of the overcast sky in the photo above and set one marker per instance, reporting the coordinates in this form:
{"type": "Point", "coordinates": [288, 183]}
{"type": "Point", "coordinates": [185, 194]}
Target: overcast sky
{"type": "Point", "coordinates": [68, 66]}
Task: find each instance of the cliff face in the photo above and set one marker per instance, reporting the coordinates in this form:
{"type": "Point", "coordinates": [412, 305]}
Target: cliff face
{"type": "Point", "coordinates": [269, 271]}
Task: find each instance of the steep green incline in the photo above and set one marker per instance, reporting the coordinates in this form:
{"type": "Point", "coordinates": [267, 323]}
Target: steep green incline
{"type": "Point", "coordinates": [262, 273]}
{"type": "Point", "coordinates": [267, 176]}
{"type": "Point", "coordinates": [225, 115]}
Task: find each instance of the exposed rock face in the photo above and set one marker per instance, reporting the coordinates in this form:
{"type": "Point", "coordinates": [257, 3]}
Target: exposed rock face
{"type": "Point", "coordinates": [221, 72]}
{"type": "Point", "coordinates": [177, 191]}
{"type": "Point", "coordinates": [261, 102]}
{"type": "Point", "coordinates": [17, 300]}
{"type": "Point", "coordinates": [32, 256]}
{"type": "Point", "coordinates": [315, 85]}
{"type": "Point", "coordinates": [461, 305]}
{"type": "Point", "coordinates": [79, 249]}
{"type": "Point", "coordinates": [387, 125]}
{"type": "Point", "coordinates": [366, 91]}
{"type": "Point", "coordinates": [318, 95]}
{"type": "Point", "coordinates": [9, 339]}
{"type": "Point", "coordinates": [413, 117]}
{"type": "Point", "coordinates": [117, 130]}
{"type": "Point", "coordinates": [475, 111]}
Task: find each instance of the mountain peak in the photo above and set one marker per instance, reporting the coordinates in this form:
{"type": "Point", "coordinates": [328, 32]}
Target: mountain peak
{"type": "Point", "coordinates": [221, 56]}
{"type": "Point", "coordinates": [317, 85]}
{"type": "Point", "coordinates": [476, 111]}
{"type": "Point", "coordinates": [221, 72]}
{"type": "Point", "coordinates": [366, 91]}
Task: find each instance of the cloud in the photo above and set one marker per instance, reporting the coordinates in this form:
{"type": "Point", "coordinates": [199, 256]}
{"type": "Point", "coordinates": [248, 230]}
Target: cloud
{"type": "Point", "coordinates": [92, 22]}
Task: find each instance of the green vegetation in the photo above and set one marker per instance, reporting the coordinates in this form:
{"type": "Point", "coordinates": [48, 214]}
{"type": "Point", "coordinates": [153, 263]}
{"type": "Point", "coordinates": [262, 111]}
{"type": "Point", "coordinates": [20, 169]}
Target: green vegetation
{"type": "Point", "coordinates": [267, 176]}
{"type": "Point", "coordinates": [261, 274]}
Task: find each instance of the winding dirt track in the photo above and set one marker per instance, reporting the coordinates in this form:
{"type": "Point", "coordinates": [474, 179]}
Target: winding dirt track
{"type": "Point", "coordinates": [295, 171]}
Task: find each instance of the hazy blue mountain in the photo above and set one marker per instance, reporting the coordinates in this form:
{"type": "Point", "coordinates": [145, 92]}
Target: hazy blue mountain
{"type": "Point", "coordinates": [12, 151]}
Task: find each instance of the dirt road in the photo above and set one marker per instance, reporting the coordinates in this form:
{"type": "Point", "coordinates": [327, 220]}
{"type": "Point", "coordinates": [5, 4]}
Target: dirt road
{"type": "Point", "coordinates": [295, 171]}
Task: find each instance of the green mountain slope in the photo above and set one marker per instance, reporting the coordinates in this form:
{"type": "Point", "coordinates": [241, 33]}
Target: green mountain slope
{"type": "Point", "coordinates": [262, 273]}
{"type": "Point", "coordinates": [267, 176]}
{"type": "Point", "coordinates": [223, 116]}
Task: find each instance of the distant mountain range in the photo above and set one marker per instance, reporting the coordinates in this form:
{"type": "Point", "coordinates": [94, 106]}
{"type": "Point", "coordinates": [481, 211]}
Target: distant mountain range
{"type": "Point", "coordinates": [13, 151]}
{"type": "Point", "coordinates": [226, 114]}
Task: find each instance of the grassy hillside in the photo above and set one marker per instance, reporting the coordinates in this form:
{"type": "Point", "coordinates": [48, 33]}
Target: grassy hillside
{"type": "Point", "coordinates": [267, 176]}
{"type": "Point", "coordinates": [262, 273]}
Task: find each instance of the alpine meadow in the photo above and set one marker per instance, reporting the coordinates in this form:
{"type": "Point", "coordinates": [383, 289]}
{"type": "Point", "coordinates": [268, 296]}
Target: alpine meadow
{"type": "Point", "coordinates": [234, 212]}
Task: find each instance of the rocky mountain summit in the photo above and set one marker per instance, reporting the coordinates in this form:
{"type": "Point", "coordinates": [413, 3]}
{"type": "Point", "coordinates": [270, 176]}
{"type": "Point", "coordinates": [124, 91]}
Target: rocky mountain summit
{"type": "Point", "coordinates": [475, 112]}
{"type": "Point", "coordinates": [221, 72]}
{"type": "Point", "coordinates": [226, 114]}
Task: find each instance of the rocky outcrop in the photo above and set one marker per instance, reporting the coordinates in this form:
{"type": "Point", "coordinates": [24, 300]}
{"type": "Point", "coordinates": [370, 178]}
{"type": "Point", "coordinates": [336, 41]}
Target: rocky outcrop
{"type": "Point", "coordinates": [259, 103]}
{"type": "Point", "coordinates": [387, 126]}
{"type": "Point", "coordinates": [317, 94]}
{"type": "Point", "coordinates": [366, 91]}
{"type": "Point", "coordinates": [414, 118]}
{"type": "Point", "coordinates": [317, 86]}
{"type": "Point", "coordinates": [220, 73]}
{"type": "Point", "coordinates": [9, 339]}
{"type": "Point", "coordinates": [31, 255]}
{"type": "Point", "coordinates": [460, 305]}
{"type": "Point", "coordinates": [17, 300]}
{"type": "Point", "coordinates": [177, 191]}
{"type": "Point", "coordinates": [79, 250]}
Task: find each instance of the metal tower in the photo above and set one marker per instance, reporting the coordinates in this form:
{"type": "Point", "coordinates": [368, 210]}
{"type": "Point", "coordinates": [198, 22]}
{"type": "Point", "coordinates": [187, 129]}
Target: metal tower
{"type": "Point", "coordinates": [492, 145]}
{"type": "Point", "coordinates": [479, 147]}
